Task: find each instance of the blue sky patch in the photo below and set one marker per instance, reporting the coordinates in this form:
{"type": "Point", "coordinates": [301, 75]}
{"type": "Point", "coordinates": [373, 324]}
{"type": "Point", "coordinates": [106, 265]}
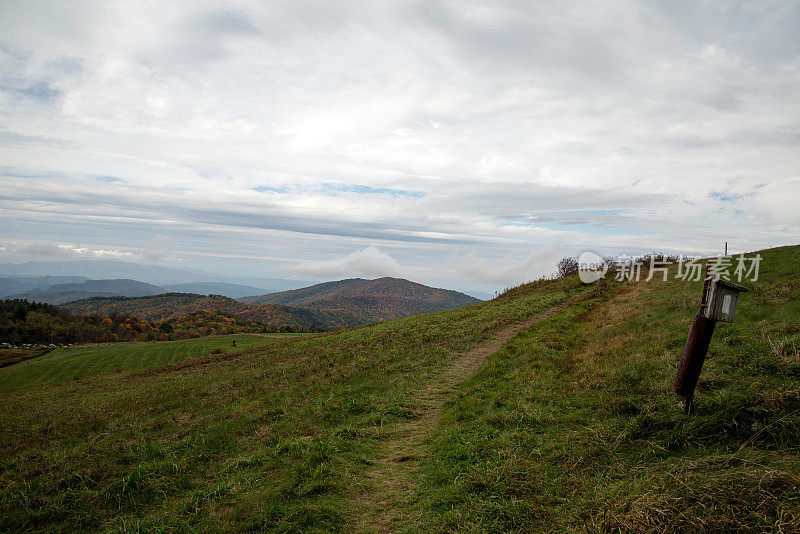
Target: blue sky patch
{"type": "Point", "coordinates": [367, 190]}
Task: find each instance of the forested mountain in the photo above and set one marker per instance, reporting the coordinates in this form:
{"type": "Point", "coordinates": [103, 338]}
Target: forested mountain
{"type": "Point", "coordinates": [175, 305]}
{"type": "Point", "coordinates": [372, 300]}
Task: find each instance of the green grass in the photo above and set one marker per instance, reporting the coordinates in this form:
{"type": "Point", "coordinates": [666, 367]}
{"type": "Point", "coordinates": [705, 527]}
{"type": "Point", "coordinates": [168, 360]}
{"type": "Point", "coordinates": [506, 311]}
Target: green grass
{"type": "Point", "coordinates": [90, 360]}
{"type": "Point", "coordinates": [13, 356]}
{"type": "Point", "coordinates": [273, 438]}
{"type": "Point", "coordinates": [570, 426]}
{"type": "Point", "coordinates": [573, 426]}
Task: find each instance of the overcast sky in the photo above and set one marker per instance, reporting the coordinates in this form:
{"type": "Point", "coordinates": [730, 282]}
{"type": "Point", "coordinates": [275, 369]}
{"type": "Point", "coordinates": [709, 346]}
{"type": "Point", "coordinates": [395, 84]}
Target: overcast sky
{"type": "Point", "coordinates": [461, 144]}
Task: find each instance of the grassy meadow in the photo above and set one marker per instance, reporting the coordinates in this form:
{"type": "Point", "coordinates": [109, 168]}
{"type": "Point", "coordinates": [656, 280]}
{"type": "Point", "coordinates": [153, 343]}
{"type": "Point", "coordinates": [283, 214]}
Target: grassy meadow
{"type": "Point", "coordinates": [573, 426]}
{"type": "Point", "coordinates": [570, 426]}
{"type": "Point", "coordinates": [270, 438]}
{"type": "Point", "coordinates": [90, 360]}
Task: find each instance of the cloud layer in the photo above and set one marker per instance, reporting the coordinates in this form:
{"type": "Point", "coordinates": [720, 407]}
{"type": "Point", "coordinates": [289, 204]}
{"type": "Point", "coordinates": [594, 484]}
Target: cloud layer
{"type": "Point", "coordinates": [367, 263]}
{"type": "Point", "coordinates": [463, 141]}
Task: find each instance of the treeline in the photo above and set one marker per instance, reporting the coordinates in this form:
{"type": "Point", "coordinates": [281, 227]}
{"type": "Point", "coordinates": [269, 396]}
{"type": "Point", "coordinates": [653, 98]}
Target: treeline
{"type": "Point", "coordinates": [211, 323]}
{"type": "Point", "coordinates": [24, 322]}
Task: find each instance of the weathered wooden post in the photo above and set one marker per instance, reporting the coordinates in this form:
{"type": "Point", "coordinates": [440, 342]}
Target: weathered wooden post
{"type": "Point", "coordinates": [718, 304]}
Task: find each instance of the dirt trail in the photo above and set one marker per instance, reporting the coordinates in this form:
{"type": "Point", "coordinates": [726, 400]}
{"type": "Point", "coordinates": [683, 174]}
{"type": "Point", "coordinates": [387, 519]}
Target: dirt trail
{"type": "Point", "coordinates": [388, 491]}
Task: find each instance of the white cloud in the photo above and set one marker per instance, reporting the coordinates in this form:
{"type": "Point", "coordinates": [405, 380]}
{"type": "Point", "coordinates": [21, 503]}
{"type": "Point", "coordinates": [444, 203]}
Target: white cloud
{"type": "Point", "coordinates": [538, 263]}
{"type": "Point", "coordinates": [65, 250]}
{"type": "Point", "coordinates": [369, 262]}
{"type": "Point", "coordinates": [158, 248]}
{"type": "Point", "coordinates": [778, 202]}
{"type": "Point", "coordinates": [476, 130]}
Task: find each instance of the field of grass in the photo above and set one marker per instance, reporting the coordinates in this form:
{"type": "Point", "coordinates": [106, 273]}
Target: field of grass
{"type": "Point", "coordinates": [573, 426]}
{"type": "Point", "coordinates": [89, 360]}
{"type": "Point", "coordinates": [570, 425]}
{"type": "Point", "coordinates": [271, 438]}
{"type": "Point", "coordinates": [16, 355]}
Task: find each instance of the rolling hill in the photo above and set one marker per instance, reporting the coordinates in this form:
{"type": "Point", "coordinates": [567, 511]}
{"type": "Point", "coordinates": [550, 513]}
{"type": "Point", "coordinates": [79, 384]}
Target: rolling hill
{"type": "Point", "coordinates": [547, 409]}
{"type": "Point", "coordinates": [371, 300]}
{"type": "Point", "coordinates": [175, 305]}
{"type": "Point", "coordinates": [61, 293]}
{"type": "Point", "coordinates": [16, 285]}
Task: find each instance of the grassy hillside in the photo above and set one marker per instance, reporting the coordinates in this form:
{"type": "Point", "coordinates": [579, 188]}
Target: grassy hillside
{"type": "Point", "coordinates": [570, 425]}
{"type": "Point", "coordinates": [573, 426]}
{"type": "Point", "coordinates": [174, 305]}
{"type": "Point", "coordinates": [70, 363]}
{"type": "Point", "coordinates": [372, 300]}
{"type": "Point", "coordinates": [273, 437]}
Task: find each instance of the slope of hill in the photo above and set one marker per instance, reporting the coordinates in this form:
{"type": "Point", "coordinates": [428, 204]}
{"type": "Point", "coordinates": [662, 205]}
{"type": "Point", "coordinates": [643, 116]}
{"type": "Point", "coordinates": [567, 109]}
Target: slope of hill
{"type": "Point", "coordinates": [546, 409]}
{"type": "Point", "coordinates": [60, 293]}
{"type": "Point", "coordinates": [174, 305]}
{"type": "Point", "coordinates": [69, 363]}
{"type": "Point", "coordinates": [372, 300]}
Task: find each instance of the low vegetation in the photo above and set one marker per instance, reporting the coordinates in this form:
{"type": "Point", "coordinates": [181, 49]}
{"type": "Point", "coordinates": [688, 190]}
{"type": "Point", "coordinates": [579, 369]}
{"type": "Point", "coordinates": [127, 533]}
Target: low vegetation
{"type": "Point", "coordinates": [272, 437]}
{"type": "Point", "coordinates": [569, 426]}
{"type": "Point", "coordinates": [71, 363]}
{"type": "Point", "coordinates": [572, 426]}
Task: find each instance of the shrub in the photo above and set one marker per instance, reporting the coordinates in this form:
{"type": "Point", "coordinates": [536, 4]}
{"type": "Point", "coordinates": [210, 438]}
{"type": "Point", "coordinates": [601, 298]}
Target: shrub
{"type": "Point", "coordinates": [566, 267]}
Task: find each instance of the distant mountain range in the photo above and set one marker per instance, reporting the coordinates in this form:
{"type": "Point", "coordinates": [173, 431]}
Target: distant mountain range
{"type": "Point", "coordinates": [332, 304]}
{"type": "Point", "coordinates": [61, 293]}
{"type": "Point", "coordinates": [169, 293]}
{"type": "Point", "coordinates": [17, 285]}
{"type": "Point", "coordinates": [60, 289]}
{"type": "Point", "coordinates": [151, 274]}
{"type": "Point", "coordinates": [371, 300]}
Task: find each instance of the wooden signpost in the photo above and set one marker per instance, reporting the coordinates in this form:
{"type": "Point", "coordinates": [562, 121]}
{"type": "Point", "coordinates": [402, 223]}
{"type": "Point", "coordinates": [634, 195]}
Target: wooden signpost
{"type": "Point", "coordinates": [718, 303]}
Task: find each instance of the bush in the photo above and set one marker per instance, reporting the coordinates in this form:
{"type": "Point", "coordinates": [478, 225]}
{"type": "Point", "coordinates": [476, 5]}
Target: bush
{"type": "Point", "coordinates": [566, 267]}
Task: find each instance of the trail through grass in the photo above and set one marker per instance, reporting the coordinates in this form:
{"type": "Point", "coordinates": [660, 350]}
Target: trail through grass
{"type": "Point", "coordinates": [569, 425]}
{"type": "Point", "coordinates": [386, 498]}
{"type": "Point", "coordinates": [270, 438]}
{"type": "Point", "coordinates": [572, 426]}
